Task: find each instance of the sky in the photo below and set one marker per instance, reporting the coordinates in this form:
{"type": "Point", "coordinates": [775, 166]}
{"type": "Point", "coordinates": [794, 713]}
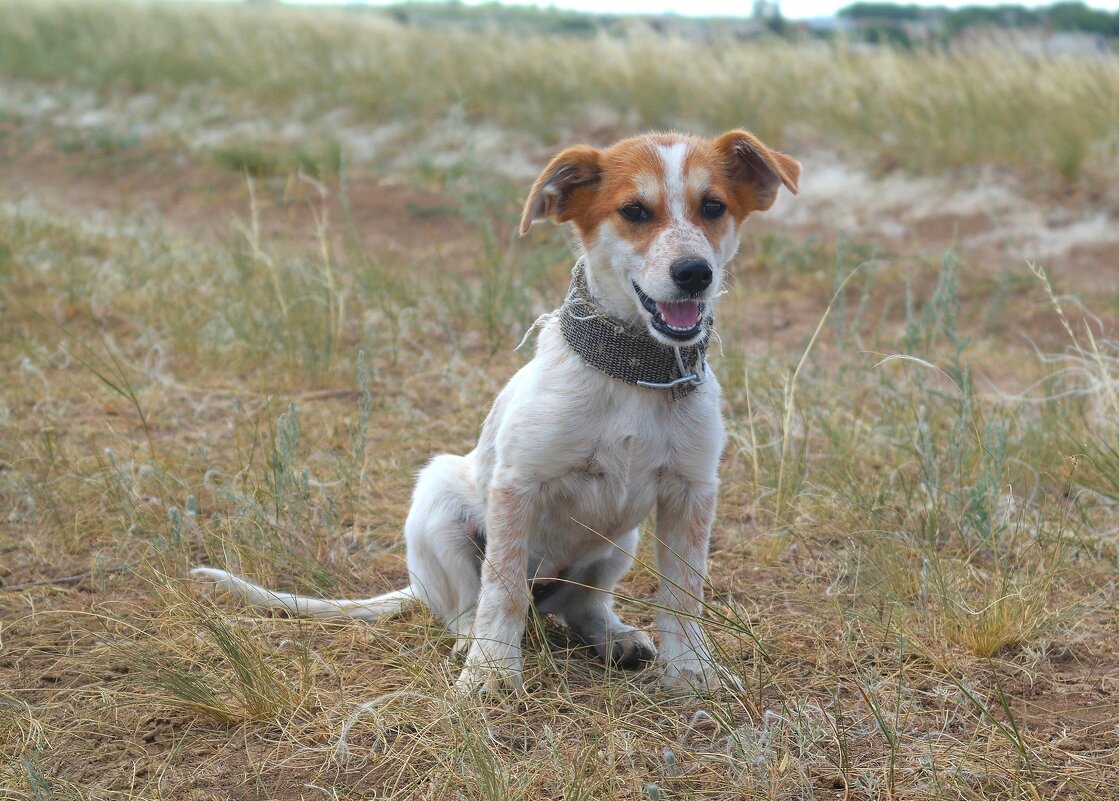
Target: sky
{"type": "Point", "coordinates": [792, 9]}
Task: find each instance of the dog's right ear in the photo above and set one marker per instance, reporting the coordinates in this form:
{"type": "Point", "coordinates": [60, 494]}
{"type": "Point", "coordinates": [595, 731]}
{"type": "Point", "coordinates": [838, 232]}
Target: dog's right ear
{"type": "Point", "coordinates": [574, 169]}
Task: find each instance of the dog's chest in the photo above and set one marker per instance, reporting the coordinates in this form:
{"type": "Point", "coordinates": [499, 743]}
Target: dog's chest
{"type": "Point", "coordinates": [610, 479]}
{"type": "Point", "coordinates": [589, 455]}
{"type": "Point", "coordinates": [604, 481]}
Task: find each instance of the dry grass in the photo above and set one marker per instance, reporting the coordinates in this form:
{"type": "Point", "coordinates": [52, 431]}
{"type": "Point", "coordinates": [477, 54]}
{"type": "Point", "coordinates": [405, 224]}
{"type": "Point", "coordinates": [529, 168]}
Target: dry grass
{"type": "Point", "coordinates": [926, 564]}
{"type": "Point", "coordinates": [914, 574]}
{"type": "Point", "coordinates": [925, 110]}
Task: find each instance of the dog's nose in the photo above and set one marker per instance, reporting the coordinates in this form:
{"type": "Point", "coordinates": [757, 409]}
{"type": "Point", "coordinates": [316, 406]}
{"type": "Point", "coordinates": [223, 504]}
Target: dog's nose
{"type": "Point", "coordinates": [692, 275]}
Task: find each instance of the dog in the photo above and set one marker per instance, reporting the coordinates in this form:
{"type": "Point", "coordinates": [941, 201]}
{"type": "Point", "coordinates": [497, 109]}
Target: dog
{"type": "Point", "coordinates": [617, 414]}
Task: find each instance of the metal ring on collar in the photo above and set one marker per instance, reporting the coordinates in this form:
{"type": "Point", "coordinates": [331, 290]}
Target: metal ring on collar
{"type": "Point", "coordinates": [693, 378]}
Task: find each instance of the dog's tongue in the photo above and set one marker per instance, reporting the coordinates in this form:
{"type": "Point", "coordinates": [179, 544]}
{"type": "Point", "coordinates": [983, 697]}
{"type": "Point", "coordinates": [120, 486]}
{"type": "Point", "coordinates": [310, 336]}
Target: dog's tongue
{"type": "Point", "coordinates": [681, 314]}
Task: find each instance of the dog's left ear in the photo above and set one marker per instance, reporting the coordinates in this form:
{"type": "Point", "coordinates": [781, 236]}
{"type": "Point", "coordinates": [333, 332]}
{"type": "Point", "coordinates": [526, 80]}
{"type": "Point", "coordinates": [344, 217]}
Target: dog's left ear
{"type": "Point", "coordinates": [575, 168]}
{"type": "Point", "coordinates": [757, 166]}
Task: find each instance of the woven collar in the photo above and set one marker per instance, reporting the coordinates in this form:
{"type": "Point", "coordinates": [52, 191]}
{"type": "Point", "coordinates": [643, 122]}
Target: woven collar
{"type": "Point", "coordinates": [619, 350]}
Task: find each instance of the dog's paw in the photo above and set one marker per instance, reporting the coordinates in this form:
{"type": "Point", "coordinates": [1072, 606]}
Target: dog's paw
{"type": "Point", "coordinates": [489, 669]}
{"type": "Point", "coordinates": [700, 675]}
{"type": "Point", "coordinates": [627, 649]}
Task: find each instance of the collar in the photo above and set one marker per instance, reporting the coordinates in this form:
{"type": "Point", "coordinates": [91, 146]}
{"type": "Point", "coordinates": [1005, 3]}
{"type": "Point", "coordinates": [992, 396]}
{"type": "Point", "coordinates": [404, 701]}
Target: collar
{"type": "Point", "coordinates": [621, 351]}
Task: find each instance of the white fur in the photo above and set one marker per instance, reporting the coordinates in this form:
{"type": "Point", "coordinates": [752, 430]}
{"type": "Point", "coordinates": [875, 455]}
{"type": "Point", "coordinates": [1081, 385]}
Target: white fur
{"type": "Point", "coordinates": [368, 609]}
{"type": "Point", "coordinates": [569, 463]}
{"type": "Point", "coordinates": [672, 157]}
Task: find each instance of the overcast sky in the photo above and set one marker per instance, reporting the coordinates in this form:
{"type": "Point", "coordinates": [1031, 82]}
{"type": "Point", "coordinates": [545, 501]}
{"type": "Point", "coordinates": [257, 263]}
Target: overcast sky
{"type": "Point", "coordinates": [795, 9]}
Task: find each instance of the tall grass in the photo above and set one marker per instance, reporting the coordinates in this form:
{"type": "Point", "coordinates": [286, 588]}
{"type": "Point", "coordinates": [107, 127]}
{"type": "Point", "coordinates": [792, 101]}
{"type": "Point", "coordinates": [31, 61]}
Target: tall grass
{"type": "Point", "coordinates": [961, 527]}
{"type": "Point", "coordinates": [205, 664]}
{"type": "Point", "coordinates": [923, 110]}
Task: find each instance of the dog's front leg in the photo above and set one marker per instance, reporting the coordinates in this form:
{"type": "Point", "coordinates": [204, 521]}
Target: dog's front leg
{"type": "Point", "coordinates": [685, 513]}
{"type": "Point", "coordinates": [503, 600]}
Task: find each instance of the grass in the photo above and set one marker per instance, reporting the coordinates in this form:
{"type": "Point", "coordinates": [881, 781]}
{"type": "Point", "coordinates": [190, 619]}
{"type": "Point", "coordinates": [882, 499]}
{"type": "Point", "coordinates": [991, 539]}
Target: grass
{"type": "Point", "coordinates": [945, 548]}
{"type": "Point", "coordinates": [928, 110]}
{"type": "Point", "coordinates": [217, 669]}
{"type": "Point", "coordinates": [249, 159]}
{"type": "Point", "coordinates": [913, 570]}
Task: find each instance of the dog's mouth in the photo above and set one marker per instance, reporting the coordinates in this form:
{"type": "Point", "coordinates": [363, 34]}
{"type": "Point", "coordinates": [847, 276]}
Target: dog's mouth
{"type": "Point", "coordinates": [677, 319]}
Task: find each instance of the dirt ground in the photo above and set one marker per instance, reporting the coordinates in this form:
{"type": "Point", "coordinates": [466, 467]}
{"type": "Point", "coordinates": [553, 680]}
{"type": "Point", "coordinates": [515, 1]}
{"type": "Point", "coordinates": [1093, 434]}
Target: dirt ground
{"type": "Point", "coordinates": [1066, 700]}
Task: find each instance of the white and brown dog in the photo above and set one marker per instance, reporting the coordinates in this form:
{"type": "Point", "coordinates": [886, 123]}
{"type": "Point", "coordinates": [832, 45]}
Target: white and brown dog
{"type": "Point", "coordinates": [616, 414]}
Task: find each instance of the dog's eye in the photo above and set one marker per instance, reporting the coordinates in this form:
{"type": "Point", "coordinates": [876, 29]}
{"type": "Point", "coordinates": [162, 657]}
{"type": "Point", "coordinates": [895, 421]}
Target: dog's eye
{"type": "Point", "coordinates": [713, 209]}
{"type": "Point", "coordinates": [635, 212]}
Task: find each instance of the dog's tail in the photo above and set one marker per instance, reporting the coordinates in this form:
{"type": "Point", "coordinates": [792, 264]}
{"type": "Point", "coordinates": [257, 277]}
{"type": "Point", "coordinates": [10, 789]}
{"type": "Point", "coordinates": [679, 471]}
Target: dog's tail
{"type": "Point", "coordinates": [390, 603]}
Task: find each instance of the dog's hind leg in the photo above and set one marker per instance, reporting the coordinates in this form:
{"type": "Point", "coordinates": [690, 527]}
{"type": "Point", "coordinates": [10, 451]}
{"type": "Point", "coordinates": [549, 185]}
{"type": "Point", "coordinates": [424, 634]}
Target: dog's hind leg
{"type": "Point", "coordinates": [586, 606]}
{"type": "Point", "coordinates": [446, 541]}
{"type": "Point", "coordinates": [443, 536]}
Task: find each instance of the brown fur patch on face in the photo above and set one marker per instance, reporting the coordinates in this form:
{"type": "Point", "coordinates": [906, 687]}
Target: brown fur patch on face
{"type": "Point", "coordinates": [706, 178]}
{"type": "Point", "coordinates": [588, 187]}
{"type": "Point", "coordinates": [626, 169]}
{"type": "Point", "coordinates": [712, 170]}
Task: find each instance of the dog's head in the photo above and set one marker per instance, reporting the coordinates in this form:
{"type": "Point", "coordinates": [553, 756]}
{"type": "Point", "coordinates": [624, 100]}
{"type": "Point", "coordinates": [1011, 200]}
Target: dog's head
{"type": "Point", "coordinates": [659, 217]}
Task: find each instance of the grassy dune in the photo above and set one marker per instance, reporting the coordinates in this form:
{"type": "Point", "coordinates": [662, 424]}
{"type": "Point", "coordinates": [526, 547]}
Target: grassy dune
{"type": "Point", "coordinates": [923, 110]}
{"type": "Point", "coordinates": [915, 559]}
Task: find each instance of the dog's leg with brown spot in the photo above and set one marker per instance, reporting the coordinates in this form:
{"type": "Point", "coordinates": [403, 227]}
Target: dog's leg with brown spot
{"type": "Point", "coordinates": [499, 621]}
{"type": "Point", "coordinates": [684, 517]}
